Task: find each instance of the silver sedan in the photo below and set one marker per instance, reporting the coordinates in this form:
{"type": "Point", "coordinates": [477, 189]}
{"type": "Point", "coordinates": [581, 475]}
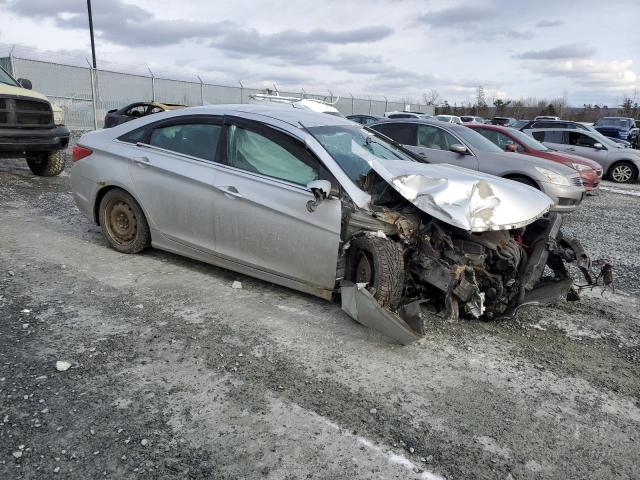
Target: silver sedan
{"type": "Point", "coordinates": [317, 203]}
{"type": "Point", "coordinates": [441, 142]}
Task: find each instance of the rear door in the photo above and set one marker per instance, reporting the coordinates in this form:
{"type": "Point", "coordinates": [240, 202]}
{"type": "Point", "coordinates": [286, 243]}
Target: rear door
{"type": "Point", "coordinates": [262, 219]}
{"type": "Point", "coordinates": [173, 170]}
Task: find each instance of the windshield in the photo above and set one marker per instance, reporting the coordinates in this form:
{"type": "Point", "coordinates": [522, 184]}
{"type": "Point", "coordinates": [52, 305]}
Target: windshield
{"type": "Point", "coordinates": [476, 140]}
{"type": "Point", "coordinates": [6, 78]}
{"type": "Point", "coordinates": [443, 118]}
{"type": "Point", "coordinates": [528, 141]}
{"type": "Point", "coordinates": [613, 122]}
{"type": "Point", "coordinates": [353, 148]}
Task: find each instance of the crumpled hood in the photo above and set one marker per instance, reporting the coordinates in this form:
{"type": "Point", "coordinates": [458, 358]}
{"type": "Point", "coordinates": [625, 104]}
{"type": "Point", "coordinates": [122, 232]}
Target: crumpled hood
{"type": "Point", "coordinates": [467, 199]}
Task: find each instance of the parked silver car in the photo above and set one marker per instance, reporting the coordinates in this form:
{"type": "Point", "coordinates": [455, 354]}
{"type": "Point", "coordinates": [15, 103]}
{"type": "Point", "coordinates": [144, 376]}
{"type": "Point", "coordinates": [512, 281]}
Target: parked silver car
{"type": "Point", "coordinates": [620, 164]}
{"type": "Point", "coordinates": [320, 204]}
{"type": "Point", "coordinates": [439, 142]}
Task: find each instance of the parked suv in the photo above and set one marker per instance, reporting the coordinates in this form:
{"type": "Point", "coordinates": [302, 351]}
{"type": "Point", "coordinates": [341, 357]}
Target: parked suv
{"type": "Point", "coordinates": [31, 127]}
{"type": "Point", "coordinates": [439, 142]}
{"type": "Point", "coordinates": [619, 127]}
{"type": "Point", "coordinates": [619, 164]}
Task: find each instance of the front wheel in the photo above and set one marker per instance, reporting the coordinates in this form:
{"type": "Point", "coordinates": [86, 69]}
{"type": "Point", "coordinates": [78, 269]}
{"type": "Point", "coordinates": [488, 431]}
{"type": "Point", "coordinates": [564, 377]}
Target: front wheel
{"type": "Point", "coordinates": [379, 263]}
{"type": "Point", "coordinates": [46, 164]}
{"type": "Point", "coordinates": [123, 223]}
{"type": "Point", "coordinates": [623, 172]}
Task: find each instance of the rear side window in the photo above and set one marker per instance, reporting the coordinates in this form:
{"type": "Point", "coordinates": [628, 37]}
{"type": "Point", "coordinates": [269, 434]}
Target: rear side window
{"type": "Point", "coordinates": [403, 133]}
{"type": "Point", "coordinates": [195, 139]}
{"type": "Point", "coordinates": [256, 153]}
{"type": "Point", "coordinates": [552, 136]}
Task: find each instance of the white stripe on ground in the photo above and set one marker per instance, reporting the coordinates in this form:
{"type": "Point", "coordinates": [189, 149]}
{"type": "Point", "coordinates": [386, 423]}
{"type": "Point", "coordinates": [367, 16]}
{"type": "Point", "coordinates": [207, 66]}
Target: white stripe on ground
{"type": "Point", "coordinates": [623, 192]}
{"type": "Point", "coordinates": [389, 454]}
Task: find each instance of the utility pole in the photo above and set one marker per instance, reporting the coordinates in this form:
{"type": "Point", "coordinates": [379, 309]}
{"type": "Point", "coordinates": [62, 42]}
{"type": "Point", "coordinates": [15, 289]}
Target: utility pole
{"type": "Point", "coordinates": [93, 45]}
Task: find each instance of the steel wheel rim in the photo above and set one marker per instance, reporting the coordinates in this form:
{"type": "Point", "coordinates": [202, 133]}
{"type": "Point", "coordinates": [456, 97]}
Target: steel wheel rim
{"type": "Point", "coordinates": [364, 270]}
{"type": "Point", "coordinates": [622, 173]}
{"type": "Point", "coordinates": [120, 221]}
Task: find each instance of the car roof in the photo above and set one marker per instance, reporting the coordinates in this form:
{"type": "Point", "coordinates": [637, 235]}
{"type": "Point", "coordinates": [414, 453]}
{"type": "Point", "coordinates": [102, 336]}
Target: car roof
{"type": "Point", "coordinates": [288, 113]}
{"type": "Point", "coordinates": [420, 121]}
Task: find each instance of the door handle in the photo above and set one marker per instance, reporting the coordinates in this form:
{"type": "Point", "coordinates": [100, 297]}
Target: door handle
{"type": "Point", "coordinates": [142, 161]}
{"type": "Point", "coordinates": [230, 190]}
{"type": "Point", "coordinates": [571, 149]}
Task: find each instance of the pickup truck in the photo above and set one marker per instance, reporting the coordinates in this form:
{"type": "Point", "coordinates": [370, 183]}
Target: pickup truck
{"type": "Point", "coordinates": [621, 128]}
{"type": "Point", "coordinates": [31, 127]}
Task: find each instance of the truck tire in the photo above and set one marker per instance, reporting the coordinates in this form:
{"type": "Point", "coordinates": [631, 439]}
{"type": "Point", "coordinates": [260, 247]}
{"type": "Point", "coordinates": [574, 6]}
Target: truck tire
{"type": "Point", "coordinates": [623, 172]}
{"type": "Point", "coordinates": [46, 164]}
{"type": "Point", "coordinates": [379, 263]}
{"type": "Point", "coordinates": [123, 222]}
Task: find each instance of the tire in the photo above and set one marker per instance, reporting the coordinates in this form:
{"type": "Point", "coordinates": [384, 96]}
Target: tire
{"type": "Point", "coordinates": [123, 222]}
{"type": "Point", "coordinates": [46, 164]}
{"type": "Point", "coordinates": [526, 181]}
{"type": "Point", "coordinates": [378, 262]}
{"type": "Point", "coordinates": [623, 172]}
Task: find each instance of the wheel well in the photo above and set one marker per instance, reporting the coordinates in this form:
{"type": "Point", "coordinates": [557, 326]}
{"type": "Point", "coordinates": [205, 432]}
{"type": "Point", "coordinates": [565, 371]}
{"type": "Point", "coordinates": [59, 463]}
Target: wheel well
{"type": "Point", "coordinates": [629, 162]}
{"type": "Point", "coordinates": [529, 180]}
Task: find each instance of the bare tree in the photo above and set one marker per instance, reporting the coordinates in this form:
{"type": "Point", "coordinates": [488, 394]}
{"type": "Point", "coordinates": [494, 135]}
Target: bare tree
{"type": "Point", "coordinates": [432, 97]}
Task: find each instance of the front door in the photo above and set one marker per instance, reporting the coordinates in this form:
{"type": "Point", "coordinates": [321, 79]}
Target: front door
{"type": "Point", "coordinates": [262, 218]}
{"type": "Point", "coordinates": [434, 143]}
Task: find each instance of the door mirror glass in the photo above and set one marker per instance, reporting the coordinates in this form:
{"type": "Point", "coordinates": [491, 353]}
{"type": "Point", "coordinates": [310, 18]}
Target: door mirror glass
{"type": "Point", "coordinates": [598, 146]}
{"type": "Point", "coordinates": [510, 147]}
{"type": "Point", "coordinates": [458, 148]}
{"type": "Point", "coordinates": [25, 83]}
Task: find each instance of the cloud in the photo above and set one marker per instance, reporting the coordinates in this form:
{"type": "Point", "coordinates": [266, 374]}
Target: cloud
{"type": "Point", "coordinates": [615, 74]}
{"type": "Point", "coordinates": [569, 51]}
{"type": "Point", "coordinates": [549, 23]}
{"type": "Point", "coordinates": [461, 15]}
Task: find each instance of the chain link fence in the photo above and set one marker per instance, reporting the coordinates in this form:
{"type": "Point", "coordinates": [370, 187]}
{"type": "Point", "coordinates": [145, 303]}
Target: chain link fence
{"type": "Point", "coordinates": [86, 94]}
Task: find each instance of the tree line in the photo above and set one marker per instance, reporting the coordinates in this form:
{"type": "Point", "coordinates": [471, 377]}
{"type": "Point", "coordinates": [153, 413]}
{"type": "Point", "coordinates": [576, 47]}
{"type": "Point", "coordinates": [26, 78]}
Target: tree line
{"type": "Point", "coordinates": [530, 107]}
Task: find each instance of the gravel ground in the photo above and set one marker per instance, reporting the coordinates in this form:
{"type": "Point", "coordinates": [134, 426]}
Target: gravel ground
{"type": "Point", "coordinates": [175, 374]}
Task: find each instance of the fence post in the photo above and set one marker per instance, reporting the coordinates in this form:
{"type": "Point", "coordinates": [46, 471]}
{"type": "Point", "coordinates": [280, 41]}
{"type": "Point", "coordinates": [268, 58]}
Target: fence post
{"type": "Point", "coordinates": [153, 85]}
{"type": "Point", "coordinates": [303, 93]}
{"type": "Point", "coordinates": [201, 90]}
{"type": "Point", "coordinates": [369, 105]}
{"type": "Point", "coordinates": [93, 95]}
{"type": "Point", "coordinates": [241, 92]}
{"type": "Point", "coordinates": [331, 97]}
{"type": "Point", "coordinates": [386, 103]}
{"type": "Point", "coordinates": [11, 64]}
{"type": "Point", "coordinates": [352, 110]}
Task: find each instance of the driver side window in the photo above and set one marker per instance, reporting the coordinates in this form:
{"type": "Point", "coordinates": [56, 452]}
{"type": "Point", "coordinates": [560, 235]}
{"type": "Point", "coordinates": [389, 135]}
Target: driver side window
{"type": "Point", "coordinates": [253, 152]}
{"type": "Point", "coordinates": [434, 137]}
{"type": "Point", "coordinates": [137, 111]}
{"type": "Point", "coordinates": [581, 140]}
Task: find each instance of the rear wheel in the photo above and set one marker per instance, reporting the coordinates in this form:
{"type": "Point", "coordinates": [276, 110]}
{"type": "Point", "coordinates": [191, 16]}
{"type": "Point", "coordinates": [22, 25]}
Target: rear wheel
{"type": "Point", "coordinates": [623, 172]}
{"type": "Point", "coordinates": [379, 263]}
{"type": "Point", "coordinates": [123, 223]}
{"type": "Point", "coordinates": [46, 164]}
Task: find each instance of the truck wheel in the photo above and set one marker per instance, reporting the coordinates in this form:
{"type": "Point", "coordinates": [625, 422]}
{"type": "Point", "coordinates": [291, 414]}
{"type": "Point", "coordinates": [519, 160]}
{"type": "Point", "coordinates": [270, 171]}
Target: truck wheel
{"type": "Point", "coordinates": [379, 263]}
{"type": "Point", "coordinates": [46, 164]}
{"type": "Point", "coordinates": [123, 223]}
{"type": "Point", "coordinates": [623, 172]}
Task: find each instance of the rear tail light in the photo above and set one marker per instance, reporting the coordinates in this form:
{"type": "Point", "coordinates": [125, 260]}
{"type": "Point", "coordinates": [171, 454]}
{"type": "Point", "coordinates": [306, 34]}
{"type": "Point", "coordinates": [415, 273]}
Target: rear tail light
{"type": "Point", "coordinates": [79, 152]}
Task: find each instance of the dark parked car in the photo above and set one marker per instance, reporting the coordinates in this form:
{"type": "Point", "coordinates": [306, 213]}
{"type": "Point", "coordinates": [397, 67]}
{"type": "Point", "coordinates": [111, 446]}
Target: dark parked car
{"type": "Point", "coordinates": [136, 110]}
{"type": "Point", "coordinates": [363, 119]}
{"type": "Point", "coordinates": [622, 128]}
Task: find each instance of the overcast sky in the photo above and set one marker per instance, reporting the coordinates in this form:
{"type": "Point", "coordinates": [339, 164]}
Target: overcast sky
{"type": "Point", "coordinates": [588, 50]}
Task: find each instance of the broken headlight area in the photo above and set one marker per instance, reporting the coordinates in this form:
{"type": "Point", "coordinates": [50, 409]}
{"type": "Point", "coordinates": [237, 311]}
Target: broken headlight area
{"type": "Point", "coordinates": [437, 272]}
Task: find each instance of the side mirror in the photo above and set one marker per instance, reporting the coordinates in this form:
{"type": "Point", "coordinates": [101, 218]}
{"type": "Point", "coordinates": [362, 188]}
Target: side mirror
{"type": "Point", "coordinates": [598, 146]}
{"type": "Point", "coordinates": [510, 147]}
{"type": "Point", "coordinates": [459, 148]}
{"type": "Point", "coordinates": [25, 83]}
{"type": "Point", "coordinates": [321, 189]}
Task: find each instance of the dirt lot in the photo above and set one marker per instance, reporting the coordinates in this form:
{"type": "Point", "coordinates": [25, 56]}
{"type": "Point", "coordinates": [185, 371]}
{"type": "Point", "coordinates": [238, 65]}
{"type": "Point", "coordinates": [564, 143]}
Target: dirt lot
{"type": "Point", "coordinates": [174, 374]}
